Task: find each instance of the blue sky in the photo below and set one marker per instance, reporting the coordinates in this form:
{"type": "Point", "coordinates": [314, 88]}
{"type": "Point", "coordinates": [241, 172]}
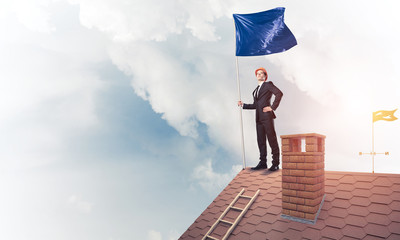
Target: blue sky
{"type": "Point", "coordinates": [119, 118]}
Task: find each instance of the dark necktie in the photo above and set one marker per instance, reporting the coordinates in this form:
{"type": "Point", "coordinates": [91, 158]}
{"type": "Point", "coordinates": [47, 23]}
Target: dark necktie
{"type": "Point", "coordinates": [258, 87]}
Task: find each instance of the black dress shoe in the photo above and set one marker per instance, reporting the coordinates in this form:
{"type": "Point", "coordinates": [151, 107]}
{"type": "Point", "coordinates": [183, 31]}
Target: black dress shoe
{"type": "Point", "coordinates": [273, 168]}
{"type": "Point", "coordinates": [261, 165]}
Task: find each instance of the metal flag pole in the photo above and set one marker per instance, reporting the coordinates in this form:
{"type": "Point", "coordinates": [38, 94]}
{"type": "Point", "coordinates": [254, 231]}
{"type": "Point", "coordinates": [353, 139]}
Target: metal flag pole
{"type": "Point", "coordinates": [240, 107]}
{"type": "Point", "coordinates": [373, 141]}
{"type": "Point", "coordinates": [373, 153]}
{"type": "Point", "coordinates": [240, 113]}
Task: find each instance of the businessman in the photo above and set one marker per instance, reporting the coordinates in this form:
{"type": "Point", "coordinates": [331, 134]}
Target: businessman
{"type": "Point", "coordinates": [265, 118]}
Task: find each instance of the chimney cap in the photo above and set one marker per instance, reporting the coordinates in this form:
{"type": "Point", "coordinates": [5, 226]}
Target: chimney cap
{"type": "Point", "coordinates": [303, 135]}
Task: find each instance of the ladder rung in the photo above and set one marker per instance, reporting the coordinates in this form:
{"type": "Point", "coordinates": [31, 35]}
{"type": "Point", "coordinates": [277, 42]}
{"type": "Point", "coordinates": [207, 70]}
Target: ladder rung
{"type": "Point", "coordinates": [224, 221]}
{"type": "Point", "coordinates": [236, 208]}
{"type": "Point", "coordinates": [213, 238]}
{"type": "Point", "coordinates": [244, 196]}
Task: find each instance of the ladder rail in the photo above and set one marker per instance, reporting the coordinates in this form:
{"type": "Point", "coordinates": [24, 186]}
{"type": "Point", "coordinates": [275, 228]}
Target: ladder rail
{"type": "Point", "coordinates": [233, 225]}
{"type": "Point", "coordinates": [213, 238]}
{"type": "Point", "coordinates": [241, 215]}
{"type": "Point", "coordinates": [222, 215]}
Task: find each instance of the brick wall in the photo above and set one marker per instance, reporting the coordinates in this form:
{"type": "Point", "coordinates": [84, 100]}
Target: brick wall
{"type": "Point", "coordinates": [303, 175]}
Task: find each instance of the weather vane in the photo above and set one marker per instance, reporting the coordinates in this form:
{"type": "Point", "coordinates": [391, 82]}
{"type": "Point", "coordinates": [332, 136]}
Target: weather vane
{"type": "Point", "coordinates": [376, 116]}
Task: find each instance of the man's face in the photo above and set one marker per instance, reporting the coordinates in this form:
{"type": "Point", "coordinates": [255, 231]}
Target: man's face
{"type": "Point", "coordinates": [260, 75]}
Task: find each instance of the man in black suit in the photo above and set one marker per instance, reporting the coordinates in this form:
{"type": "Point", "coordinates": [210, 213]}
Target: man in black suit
{"type": "Point", "coordinates": [265, 118]}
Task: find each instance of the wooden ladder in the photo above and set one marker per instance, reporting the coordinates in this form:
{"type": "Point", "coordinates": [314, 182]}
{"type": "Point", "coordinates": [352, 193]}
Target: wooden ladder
{"type": "Point", "coordinates": [233, 224]}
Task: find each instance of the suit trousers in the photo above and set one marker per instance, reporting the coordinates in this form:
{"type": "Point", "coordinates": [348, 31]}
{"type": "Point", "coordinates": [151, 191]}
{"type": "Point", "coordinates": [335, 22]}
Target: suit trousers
{"type": "Point", "coordinates": [266, 129]}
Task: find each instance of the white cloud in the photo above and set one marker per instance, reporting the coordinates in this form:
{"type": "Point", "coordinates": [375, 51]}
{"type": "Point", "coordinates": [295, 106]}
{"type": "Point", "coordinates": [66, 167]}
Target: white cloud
{"type": "Point", "coordinates": [152, 20]}
{"type": "Point", "coordinates": [34, 15]}
{"type": "Point", "coordinates": [50, 101]}
{"type": "Point", "coordinates": [173, 235]}
{"type": "Point", "coordinates": [46, 94]}
{"type": "Point", "coordinates": [190, 81]}
{"type": "Point", "coordinates": [188, 88]}
{"type": "Point", "coordinates": [179, 55]}
{"type": "Point", "coordinates": [154, 235]}
{"type": "Point", "coordinates": [211, 181]}
{"type": "Point", "coordinates": [157, 78]}
{"type": "Point", "coordinates": [345, 62]}
{"type": "Point", "coordinates": [343, 54]}
{"type": "Point", "coordinates": [79, 204]}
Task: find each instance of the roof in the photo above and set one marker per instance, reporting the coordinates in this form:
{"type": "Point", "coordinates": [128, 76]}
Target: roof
{"type": "Point", "coordinates": [356, 206]}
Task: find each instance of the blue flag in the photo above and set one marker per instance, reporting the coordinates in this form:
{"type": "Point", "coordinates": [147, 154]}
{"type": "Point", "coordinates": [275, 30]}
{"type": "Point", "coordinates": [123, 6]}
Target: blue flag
{"type": "Point", "coordinates": [262, 33]}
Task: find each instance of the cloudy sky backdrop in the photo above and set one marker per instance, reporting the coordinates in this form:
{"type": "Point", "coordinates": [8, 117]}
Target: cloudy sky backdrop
{"type": "Point", "coordinates": [118, 118]}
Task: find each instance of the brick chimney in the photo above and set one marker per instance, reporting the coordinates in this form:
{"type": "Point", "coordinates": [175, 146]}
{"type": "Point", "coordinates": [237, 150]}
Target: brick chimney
{"type": "Point", "coordinates": [303, 176]}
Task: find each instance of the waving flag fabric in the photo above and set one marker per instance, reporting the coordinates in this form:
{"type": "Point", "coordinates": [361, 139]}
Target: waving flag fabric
{"type": "Point", "coordinates": [384, 115]}
{"type": "Point", "coordinates": [262, 33]}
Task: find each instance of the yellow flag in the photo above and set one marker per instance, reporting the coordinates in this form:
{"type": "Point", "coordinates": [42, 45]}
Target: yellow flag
{"type": "Point", "coordinates": [383, 115]}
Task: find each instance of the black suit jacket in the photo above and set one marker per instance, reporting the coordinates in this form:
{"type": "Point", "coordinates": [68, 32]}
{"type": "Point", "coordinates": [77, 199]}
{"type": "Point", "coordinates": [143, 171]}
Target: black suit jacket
{"type": "Point", "coordinates": [264, 100]}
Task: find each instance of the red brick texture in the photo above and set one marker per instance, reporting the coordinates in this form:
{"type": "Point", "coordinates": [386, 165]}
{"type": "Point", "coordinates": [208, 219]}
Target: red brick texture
{"type": "Point", "coordinates": [303, 175]}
